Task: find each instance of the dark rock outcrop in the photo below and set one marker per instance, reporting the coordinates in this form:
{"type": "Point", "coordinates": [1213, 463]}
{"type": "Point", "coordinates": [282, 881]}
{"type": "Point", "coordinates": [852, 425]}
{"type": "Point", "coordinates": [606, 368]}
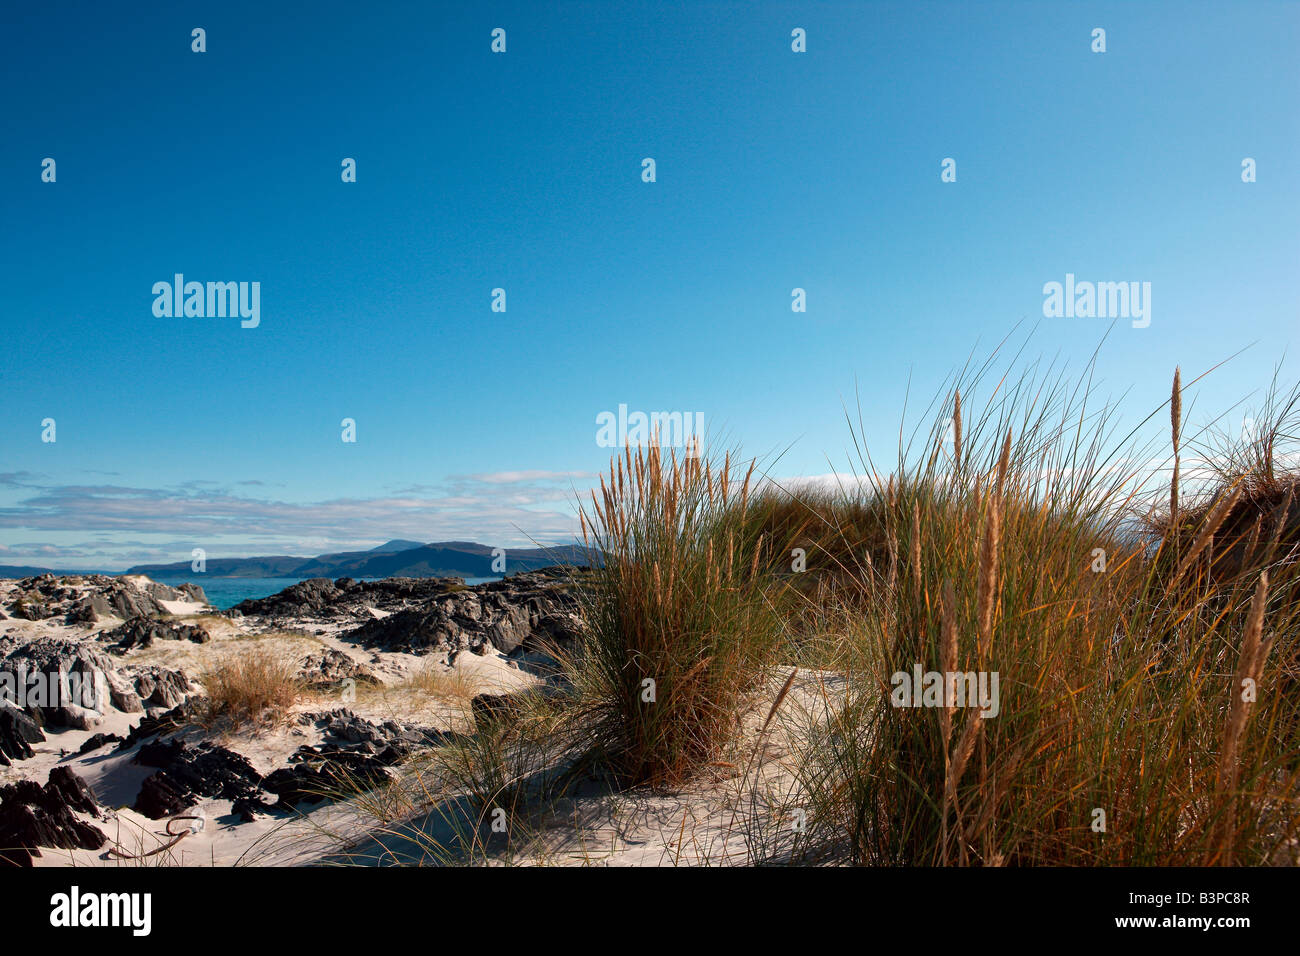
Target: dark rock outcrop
{"type": "Point", "coordinates": [356, 756]}
{"type": "Point", "coordinates": [84, 599]}
{"type": "Point", "coordinates": [17, 733]}
{"type": "Point", "coordinates": [71, 683]}
{"type": "Point", "coordinates": [342, 726]}
{"type": "Point", "coordinates": [187, 773]}
{"type": "Point", "coordinates": [532, 611]}
{"type": "Point", "coordinates": [166, 722]}
{"type": "Point", "coordinates": [64, 680]}
{"type": "Point", "coordinates": [98, 740]}
{"type": "Point", "coordinates": [32, 816]}
{"type": "Point", "coordinates": [160, 686]}
{"type": "Point", "coordinates": [116, 602]}
{"type": "Point", "coordinates": [28, 607]}
{"type": "Point", "coordinates": [528, 611]}
{"type": "Point", "coordinates": [327, 773]}
{"type": "Point", "coordinates": [141, 632]}
{"type": "Point", "coordinates": [346, 598]}
{"type": "Point", "coordinates": [310, 598]}
{"type": "Point", "coordinates": [330, 668]}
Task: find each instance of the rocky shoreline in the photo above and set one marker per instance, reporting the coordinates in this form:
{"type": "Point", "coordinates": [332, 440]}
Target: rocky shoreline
{"type": "Point", "coordinates": [533, 610]}
{"type": "Point", "coordinates": [131, 745]}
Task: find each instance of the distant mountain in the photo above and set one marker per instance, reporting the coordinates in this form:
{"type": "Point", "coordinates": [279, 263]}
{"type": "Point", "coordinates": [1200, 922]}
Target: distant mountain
{"type": "Point", "coordinates": [397, 558]}
{"type": "Point", "coordinates": [20, 571]}
{"type": "Point", "coordinates": [26, 571]}
{"type": "Point", "coordinates": [274, 566]}
{"type": "Point", "coordinates": [397, 544]}
{"type": "Point", "coordinates": [342, 557]}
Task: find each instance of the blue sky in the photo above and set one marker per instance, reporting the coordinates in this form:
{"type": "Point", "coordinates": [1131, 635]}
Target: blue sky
{"type": "Point", "coordinates": [522, 171]}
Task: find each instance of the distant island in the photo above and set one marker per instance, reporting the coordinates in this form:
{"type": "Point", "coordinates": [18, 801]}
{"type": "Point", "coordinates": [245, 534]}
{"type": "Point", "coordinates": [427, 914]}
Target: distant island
{"type": "Point", "coordinates": [396, 558]}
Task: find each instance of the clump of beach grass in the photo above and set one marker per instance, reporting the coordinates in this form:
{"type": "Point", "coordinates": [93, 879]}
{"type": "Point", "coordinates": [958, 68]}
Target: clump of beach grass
{"type": "Point", "coordinates": [254, 686]}
{"type": "Point", "coordinates": [682, 612]}
{"type": "Point", "coordinates": [1114, 741]}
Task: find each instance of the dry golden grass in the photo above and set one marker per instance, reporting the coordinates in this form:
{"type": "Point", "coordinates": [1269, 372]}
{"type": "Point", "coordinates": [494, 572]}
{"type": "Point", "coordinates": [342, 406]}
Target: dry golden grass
{"type": "Point", "coordinates": [453, 683]}
{"type": "Point", "coordinates": [253, 686]}
{"type": "Point", "coordinates": [682, 613]}
{"type": "Point", "coordinates": [1120, 680]}
{"type": "Point", "coordinates": [431, 694]}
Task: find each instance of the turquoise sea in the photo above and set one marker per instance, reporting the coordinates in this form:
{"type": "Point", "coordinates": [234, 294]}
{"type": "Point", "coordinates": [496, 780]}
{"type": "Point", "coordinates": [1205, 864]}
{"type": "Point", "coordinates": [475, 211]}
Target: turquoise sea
{"type": "Point", "coordinates": [227, 592]}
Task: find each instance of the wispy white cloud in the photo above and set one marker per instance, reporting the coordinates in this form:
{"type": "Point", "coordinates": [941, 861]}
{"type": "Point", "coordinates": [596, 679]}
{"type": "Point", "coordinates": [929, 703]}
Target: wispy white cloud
{"type": "Point", "coordinates": [112, 526]}
{"type": "Point", "coordinates": [518, 477]}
